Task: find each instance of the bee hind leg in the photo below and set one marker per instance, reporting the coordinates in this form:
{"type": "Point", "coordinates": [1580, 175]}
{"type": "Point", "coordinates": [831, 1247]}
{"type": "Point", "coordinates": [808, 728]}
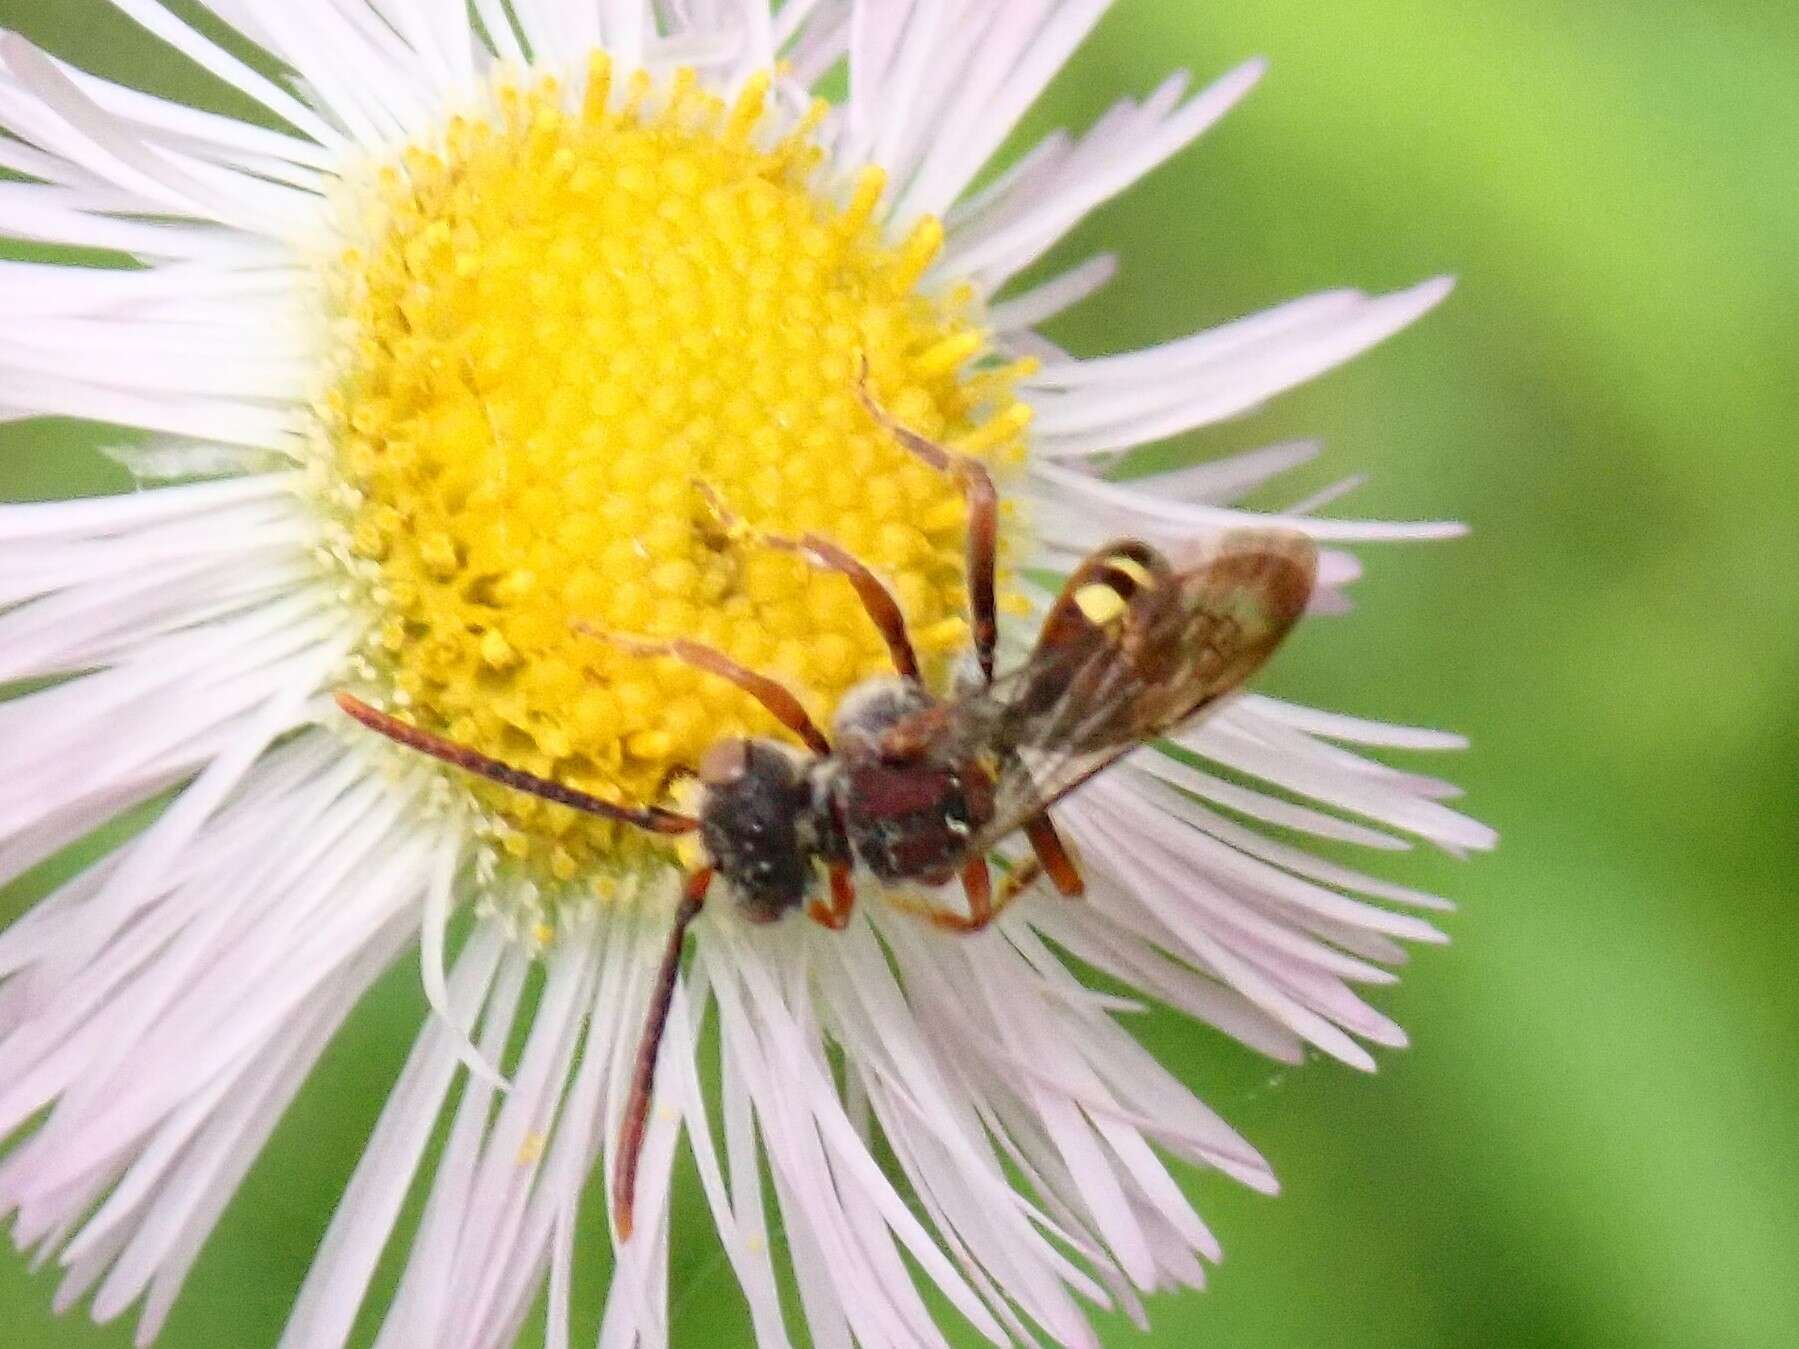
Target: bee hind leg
{"type": "Point", "coordinates": [1054, 857]}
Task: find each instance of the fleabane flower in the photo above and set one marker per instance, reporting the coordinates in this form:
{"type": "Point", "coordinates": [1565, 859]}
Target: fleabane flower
{"type": "Point", "coordinates": [515, 327]}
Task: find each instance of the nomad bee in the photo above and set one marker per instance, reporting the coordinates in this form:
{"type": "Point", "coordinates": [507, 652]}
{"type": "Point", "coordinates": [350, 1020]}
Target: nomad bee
{"type": "Point", "coordinates": [916, 789]}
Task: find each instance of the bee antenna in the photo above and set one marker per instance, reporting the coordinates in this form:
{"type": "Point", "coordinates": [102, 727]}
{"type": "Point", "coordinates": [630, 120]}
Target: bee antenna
{"type": "Point", "coordinates": [643, 1072]}
{"type": "Point", "coordinates": [654, 819]}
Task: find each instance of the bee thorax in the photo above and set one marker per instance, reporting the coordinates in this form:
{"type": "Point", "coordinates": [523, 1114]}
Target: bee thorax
{"type": "Point", "coordinates": [913, 821]}
{"type": "Point", "coordinates": [873, 707]}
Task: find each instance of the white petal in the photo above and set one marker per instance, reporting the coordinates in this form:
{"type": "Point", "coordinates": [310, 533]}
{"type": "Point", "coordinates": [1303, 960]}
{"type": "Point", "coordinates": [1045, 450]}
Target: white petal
{"type": "Point", "coordinates": [216, 61]}
{"type": "Point", "coordinates": [48, 107]}
{"type": "Point", "coordinates": [1222, 481]}
{"type": "Point", "coordinates": [736, 1212]}
{"type": "Point", "coordinates": [1089, 407]}
{"type": "Point", "coordinates": [419, 1307]}
{"type": "Point", "coordinates": [359, 1229]}
{"type": "Point", "coordinates": [1004, 252]}
{"type": "Point", "coordinates": [1288, 762]}
{"type": "Point", "coordinates": [1355, 730]}
{"type": "Point", "coordinates": [1176, 519]}
{"type": "Point", "coordinates": [1027, 44]}
{"type": "Point", "coordinates": [432, 939]}
{"type": "Point", "coordinates": [1043, 302]}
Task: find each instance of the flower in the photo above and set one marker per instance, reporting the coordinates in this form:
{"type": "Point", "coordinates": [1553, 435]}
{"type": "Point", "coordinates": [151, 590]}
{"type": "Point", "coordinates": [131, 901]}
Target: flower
{"type": "Point", "coordinates": [517, 321]}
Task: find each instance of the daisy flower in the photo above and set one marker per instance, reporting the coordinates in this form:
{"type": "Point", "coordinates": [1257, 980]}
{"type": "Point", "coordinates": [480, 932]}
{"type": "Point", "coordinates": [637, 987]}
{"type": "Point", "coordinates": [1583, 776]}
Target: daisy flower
{"type": "Point", "coordinates": [515, 322]}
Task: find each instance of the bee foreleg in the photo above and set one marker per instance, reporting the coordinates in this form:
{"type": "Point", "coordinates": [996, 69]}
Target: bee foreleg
{"type": "Point", "coordinates": [836, 914]}
{"type": "Point", "coordinates": [774, 696]}
{"type": "Point", "coordinates": [877, 600]}
{"type": "Point", "coordinates": [643, 1072]}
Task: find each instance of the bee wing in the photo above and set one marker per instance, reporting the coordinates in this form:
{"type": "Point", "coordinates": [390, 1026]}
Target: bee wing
{"type": "Point", "coordinates": [1131, 649]}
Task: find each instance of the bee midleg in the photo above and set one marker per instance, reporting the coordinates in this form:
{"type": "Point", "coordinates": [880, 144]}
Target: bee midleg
{"type": "Point", "coordinates": [983, 905]}
{"type": "Point", "coordinates": [1054, 857]}
{"type": "Point", "coordinates": [977, 884]}
{"type": "Point", "coordinates": [982, 497]}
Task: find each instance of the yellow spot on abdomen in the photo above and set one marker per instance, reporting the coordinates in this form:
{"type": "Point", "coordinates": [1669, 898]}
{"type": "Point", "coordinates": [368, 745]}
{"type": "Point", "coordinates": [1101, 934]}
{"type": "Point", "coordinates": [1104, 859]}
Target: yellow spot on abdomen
{"type": "Point", "coordinates": [1100, 603]}
{"type": "Point", "coordinates": [554, 322]}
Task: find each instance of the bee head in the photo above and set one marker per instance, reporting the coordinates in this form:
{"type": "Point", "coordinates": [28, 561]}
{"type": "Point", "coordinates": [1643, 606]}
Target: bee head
{"type": "Point", "coordinates": [755, 820]}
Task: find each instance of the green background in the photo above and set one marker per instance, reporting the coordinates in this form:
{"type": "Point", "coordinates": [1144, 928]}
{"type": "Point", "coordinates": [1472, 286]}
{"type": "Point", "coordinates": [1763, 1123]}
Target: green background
{"type": "Point", "coordinates": [1592, 1140]}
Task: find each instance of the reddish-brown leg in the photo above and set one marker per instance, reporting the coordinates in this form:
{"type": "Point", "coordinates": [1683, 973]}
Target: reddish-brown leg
{"type": "Point", "coordinates": [643, 1071]}
{"type": "Point", "coordinates": [652, 818]}
{"type": "Point", "coordinates": [983, 905]}
{"type": "Point", "coordinates": [772, 694]}
{"type": "Point", "coordinates": [877, 600]}
{"type": "Point", "coordinates": [977, 884]}
{"type": "Point", "coordinates": [983, 521]}
{"type": "Point", "coordinates": [1053, 856]}
{"type": "Point", "coordinates": [835, 914]}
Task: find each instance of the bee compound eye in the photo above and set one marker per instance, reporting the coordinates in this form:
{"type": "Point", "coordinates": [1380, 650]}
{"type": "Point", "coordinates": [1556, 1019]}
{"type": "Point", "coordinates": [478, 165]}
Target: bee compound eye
{"type": "Point", "coordinates": [725, 763]}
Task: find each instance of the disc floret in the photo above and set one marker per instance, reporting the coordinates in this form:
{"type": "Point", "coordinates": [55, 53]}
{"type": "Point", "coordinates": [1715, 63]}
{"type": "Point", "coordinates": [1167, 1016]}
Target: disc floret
{"type": "Point", "coordinates": [567, 330]}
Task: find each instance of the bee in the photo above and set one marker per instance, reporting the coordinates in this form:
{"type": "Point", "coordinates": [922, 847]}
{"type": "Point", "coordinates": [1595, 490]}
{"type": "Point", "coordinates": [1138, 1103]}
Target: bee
{"type": "Point", "coordinates": [916, 789]}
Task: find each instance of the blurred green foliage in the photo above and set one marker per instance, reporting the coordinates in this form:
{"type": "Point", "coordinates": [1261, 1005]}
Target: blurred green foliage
{"type": "Point", "coordinates": [1591, 1142]}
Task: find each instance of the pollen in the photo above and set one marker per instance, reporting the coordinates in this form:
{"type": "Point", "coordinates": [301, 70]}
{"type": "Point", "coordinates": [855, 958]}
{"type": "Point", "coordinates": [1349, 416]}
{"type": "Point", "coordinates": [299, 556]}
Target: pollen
{"type": "Point", "coordinates": [568, 330]}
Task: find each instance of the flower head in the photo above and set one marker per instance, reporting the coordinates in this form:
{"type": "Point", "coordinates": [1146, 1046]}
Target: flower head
{"type": "Point", "coordinates": [557, 381]}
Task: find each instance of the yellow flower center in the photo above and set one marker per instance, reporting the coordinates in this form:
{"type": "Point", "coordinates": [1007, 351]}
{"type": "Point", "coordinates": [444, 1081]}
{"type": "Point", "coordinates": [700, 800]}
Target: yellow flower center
{"type": "Point", "coordinates": [566, 329]}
